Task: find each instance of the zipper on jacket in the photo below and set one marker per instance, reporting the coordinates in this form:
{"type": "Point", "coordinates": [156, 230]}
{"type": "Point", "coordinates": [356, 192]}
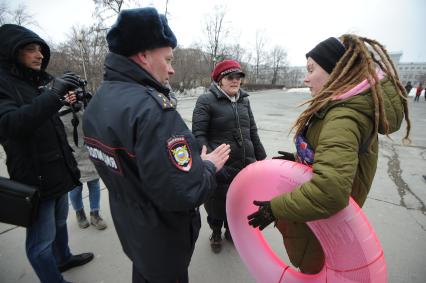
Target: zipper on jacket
{"type": "Point", "coordinates": [234, 106]}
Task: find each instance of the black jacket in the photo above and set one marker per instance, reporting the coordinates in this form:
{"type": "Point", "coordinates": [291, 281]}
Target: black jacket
{"type": "Point", "coordinates": [217, 120]}
{"type": "Point", "coordinates": [31, 132]}
{"type": "Point", "coordinates": [149, 161]}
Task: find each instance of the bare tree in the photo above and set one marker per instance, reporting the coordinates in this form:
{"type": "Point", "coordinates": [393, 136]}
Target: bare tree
{"type": "Point", "coordinates": [216, 32]}
{"type": "Point", "coordinates": [294, 77]}
{"type": "Point", "coordinates": [113, 5]}
{"type": "Point", "coordinates": [18, 16]}
{"type": "Point", "coordinates": [259, 53]}
{"type": "Point", "coordinates": [110, 8]}
{"type": "Point", "coordinates": [277, 62]}
{"type": "Point", "coordinates": [21, 17]}
{"type": "Point", "coordinates": [83, 53]}
{"type": "Point", "coordinates": [4, 13]}
{"type": "Point", "coordinates": [236, 52]}
{"type": "Point", "coordinates": [191, 69]}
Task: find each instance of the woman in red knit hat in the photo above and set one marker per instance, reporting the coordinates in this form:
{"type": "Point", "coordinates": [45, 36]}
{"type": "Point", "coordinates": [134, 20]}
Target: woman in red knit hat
{"type": "Point", "coordinates": [223, 115]}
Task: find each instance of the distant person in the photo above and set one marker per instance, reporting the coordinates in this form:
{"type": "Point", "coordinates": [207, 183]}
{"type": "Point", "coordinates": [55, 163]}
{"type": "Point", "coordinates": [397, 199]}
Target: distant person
{"type": "Point", "coordinates": [224, 115]}
{"type": "Point", "coordinates": [408, 87]}
{"type": "Point", "coordinates": [70, 116]}
{"type": "Point", "coordinates": [144, 152]}
{"type": "Point", "coordinates": [36, 147]}
{"type": "Point", "coordinates": [354, 98]}
{"type": "Point", "coordinates": [418, 92]}
{"type": "Point", "coordinates": [424, 92]}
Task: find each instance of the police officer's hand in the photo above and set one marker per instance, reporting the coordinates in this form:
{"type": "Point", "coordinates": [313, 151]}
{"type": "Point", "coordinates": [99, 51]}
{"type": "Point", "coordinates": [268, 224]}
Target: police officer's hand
{"type": "Point", "coordinates": [285, 155]}
{"type": "Point", "coordinates": [263, 217]}
{"type": "Point", "coordinates": [61, 85]}
{"type": "Point", "coordinates": [218, 157]}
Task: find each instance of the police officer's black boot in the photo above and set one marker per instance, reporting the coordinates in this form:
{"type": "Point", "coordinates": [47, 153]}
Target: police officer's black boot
{"type": "Point", "coordinates": [216, 240]}
{"type": "Point", "coordinates": [228, 236]}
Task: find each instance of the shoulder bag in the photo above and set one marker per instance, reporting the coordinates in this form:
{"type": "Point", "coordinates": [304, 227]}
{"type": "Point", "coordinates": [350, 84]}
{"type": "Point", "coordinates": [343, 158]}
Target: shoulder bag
{"type": "Point", "coordinates": [18, 202]}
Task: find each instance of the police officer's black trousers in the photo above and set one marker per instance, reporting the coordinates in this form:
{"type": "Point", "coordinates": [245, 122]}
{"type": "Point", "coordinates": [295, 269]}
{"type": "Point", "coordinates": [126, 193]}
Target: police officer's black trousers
{"type": "Point", "coordinates": [137, 277]}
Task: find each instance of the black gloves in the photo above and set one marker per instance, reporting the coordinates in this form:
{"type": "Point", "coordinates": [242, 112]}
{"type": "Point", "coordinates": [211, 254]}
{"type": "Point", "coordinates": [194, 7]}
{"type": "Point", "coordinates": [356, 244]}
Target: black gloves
{"type": "Point", "coordinates": [263, 217]}
{"type": "Point", "coordinates": [61, 85]}
{"type": "Point", "coordinates": [285, 155]}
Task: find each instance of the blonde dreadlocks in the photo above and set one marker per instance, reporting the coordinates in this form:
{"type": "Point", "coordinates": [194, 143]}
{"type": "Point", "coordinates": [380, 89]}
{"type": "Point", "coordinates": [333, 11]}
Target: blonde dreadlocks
{"type": "Point", "coordinates": [356, 65]}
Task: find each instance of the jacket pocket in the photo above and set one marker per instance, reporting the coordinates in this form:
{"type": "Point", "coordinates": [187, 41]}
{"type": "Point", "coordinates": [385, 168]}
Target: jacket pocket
{"type": "Point", "coordinates": [52, 170]}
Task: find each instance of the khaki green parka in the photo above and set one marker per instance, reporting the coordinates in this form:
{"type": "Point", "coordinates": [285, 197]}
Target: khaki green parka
{"type": "Point", "coordinates": [346, 153]}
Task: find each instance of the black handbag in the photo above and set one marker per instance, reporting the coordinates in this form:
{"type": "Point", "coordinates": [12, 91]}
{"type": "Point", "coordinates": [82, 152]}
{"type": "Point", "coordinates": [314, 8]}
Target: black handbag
{"type": "Point", "coordinates": [18, 202]}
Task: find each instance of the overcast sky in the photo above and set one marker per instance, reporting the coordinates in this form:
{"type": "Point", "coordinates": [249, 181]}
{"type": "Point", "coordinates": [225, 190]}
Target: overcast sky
{"type": "Point", "coordinates": [295, 25]}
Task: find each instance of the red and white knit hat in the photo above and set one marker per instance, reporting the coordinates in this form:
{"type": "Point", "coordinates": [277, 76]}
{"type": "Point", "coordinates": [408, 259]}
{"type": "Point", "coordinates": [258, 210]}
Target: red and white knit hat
{"type": "Point", "coordinates": [225, 68]}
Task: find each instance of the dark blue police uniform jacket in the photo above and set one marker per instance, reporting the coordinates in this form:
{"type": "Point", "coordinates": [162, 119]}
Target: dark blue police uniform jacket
{"type": "Point", "coordinates": [149, 160]}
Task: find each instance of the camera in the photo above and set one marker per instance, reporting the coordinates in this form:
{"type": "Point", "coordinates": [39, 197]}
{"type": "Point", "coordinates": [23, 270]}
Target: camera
{"type": "Point", "coordinates": [81, 94]}
{"type": "Point", "coordinates": [82, 99]}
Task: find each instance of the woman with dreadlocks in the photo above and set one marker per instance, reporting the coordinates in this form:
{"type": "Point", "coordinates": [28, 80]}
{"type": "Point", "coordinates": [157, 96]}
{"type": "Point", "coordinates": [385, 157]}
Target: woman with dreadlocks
{"type": "Point", "coordinates": [356, 95]}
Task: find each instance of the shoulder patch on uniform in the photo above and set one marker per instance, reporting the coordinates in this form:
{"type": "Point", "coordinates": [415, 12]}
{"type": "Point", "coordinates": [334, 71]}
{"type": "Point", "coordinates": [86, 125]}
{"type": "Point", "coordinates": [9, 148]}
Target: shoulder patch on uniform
{"type": "Point", "coordinates": [179, 153]}
{"type": "Point", "coordinates": [164, 102]}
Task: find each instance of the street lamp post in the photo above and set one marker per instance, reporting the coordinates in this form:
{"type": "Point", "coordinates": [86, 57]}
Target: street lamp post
{"type": "Point", "coordinates": [80, 40]}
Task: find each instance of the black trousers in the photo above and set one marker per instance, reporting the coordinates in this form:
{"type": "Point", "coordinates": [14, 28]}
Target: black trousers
{"type": "Point", "coordinates": [137, 277]}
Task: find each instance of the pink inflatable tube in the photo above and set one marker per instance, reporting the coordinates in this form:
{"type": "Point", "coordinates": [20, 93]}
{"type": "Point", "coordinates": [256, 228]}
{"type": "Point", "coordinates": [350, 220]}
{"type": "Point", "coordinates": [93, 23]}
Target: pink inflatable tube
{"type": "Point", "coordinates": [352, 251]}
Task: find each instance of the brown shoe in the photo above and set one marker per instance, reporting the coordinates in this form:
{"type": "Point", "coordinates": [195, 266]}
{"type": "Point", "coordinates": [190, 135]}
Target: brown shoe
{"type": "Point", "coordinates": [97, 221]}
{"type": "Point", "coordinates": [81, 219]}
{"type": "Point", "coordinates": [216, 241]}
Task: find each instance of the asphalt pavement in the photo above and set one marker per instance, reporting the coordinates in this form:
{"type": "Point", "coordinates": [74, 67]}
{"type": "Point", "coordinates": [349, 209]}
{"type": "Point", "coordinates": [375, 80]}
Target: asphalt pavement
{"type": "Point", "coordinates": [395, 208]}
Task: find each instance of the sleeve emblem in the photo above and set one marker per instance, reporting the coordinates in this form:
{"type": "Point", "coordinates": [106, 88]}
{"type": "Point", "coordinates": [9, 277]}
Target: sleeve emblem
{"type": "Point", "coordinates": [179, 153]}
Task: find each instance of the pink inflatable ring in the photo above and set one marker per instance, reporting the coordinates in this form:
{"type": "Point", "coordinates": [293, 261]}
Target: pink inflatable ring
{"type": "Point", "coordinates": [352, 250]}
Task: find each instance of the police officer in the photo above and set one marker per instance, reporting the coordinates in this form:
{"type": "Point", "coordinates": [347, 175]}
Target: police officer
{"type": "Point", "coordinates": [145, 154]}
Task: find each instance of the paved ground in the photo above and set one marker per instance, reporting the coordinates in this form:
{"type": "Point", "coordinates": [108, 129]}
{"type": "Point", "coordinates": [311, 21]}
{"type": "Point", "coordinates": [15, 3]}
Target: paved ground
{"type": "Point", "coordinates": [395, 207]}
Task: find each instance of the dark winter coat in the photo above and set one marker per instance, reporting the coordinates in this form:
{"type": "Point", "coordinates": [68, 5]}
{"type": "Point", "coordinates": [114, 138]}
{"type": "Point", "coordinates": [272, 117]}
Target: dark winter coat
{"type": "Point", "coordinates": [31, 132]}
{"type": "Point", "coordinates": [217, 120]}
{"type": "Point", "coordinates": [149, 161]}
{"type": "Point", "coordinates": [408, 87]}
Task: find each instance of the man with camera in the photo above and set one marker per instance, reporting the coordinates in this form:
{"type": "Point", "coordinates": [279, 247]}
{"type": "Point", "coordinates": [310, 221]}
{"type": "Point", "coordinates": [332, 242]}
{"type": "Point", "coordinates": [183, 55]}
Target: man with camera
{"type": "Point", "coordinates": [144, 152]}
{"type": "Point", "coordinates": [37, 150]}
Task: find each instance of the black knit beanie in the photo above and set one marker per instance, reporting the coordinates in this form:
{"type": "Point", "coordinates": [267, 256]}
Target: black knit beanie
{"type": "Point", "coordinates": [327, 53]}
